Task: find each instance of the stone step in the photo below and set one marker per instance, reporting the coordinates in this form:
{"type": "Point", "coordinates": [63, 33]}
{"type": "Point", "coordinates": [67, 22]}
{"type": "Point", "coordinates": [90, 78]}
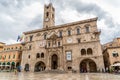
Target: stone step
{"type": "Point", "coordinates": [53, 71]}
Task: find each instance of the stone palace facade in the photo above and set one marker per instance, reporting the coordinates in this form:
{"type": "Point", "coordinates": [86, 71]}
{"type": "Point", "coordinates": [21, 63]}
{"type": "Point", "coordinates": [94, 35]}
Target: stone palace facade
{"type": "Point", "coordinates": [68, 47]}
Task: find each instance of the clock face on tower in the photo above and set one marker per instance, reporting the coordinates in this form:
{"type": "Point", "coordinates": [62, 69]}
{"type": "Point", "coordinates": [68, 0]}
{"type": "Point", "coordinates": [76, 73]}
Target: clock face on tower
{"type": "Point", "coordinates": [47, 19]}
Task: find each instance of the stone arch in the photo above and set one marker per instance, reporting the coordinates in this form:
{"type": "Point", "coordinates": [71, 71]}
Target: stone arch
{"type": "Point", "coordinates": [83, 52]}
{"type": "Point", "coordinates": [39, 66]}
{"type": "Point", "coordinates": [88, 65]}
{"type": "Point", "coordinates": [89, 51]}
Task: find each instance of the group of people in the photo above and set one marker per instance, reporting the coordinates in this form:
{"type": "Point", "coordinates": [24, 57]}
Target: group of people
{"type": "Point", "coordinates": [17, 69]}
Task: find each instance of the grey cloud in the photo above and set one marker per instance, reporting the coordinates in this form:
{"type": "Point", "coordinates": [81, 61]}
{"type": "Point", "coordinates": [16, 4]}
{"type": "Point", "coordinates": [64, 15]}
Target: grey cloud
{"type": "Point", "coordinates": [90, 8]}
{"type": "Point", "coordinates": [14, 7]}
{"type": "Point", "coordinates": [11, 9]}
{"type": "Point", "coordinates": [36, 22]}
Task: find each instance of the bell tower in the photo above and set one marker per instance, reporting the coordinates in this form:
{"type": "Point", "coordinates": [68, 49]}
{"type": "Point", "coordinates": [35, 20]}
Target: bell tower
{"type": "Point", "coordinates": [49, 16]}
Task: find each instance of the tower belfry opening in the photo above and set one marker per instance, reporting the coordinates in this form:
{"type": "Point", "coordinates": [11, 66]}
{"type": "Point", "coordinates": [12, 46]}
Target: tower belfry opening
{"type": "Point", "coordinates": [49, 16]}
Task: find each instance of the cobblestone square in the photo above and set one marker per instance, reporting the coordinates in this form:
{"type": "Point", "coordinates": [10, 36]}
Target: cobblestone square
{"type": "Point", "coordinates": [53, 76]}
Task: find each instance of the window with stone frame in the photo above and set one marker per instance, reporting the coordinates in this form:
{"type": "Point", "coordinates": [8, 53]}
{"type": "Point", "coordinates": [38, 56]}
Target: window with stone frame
{"type": "Point", "coordinates": [28, 56]}
{"type": "Point", "coordinates": [69, 32]}
{"type": "Point", "coordinates": [38, 55]}
{"type": "Point", "coordinates": [83, 52]}
{"type": "Point", "coordinates": [9, 56]}
{"type": "Point", "coordinates": [87, 29]}
{"type": "Point", "coordinates": [78, 31]}
{"type": "Point", "coordinates": [31, 37]}
{"type": "Point", "coordinates": [42, 55]}
{"type": "Point", "coordinates": [69, 68]}
{"type": "Point", "coordinates": [58, 43]}
{"type": "Point", "coordinates": [47, 14]}
{"type": "Point", "coordinates": [115, 54]}
{"type": "Point", "coordinates": [30, 47]}
{"type": "Point", "coordinates": [79, 40]}
{"type": "Point", "coordinates": [13, 56]}
{"type": "Point", "coordinates": [45, 36]}
{"type": "Point", "coordinates": [49, 44]}
{"type": "Point", "coordinates": [89, 51]}
{"type": "Point", "coordinates": [60, 33]}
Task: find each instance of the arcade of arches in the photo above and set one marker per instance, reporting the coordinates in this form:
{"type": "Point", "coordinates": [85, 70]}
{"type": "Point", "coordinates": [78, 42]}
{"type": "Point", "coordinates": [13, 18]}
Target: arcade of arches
{"type": "Point", "coordinates": [39, 66]}
{"type": "Point", "coordinates": [88, 65]}
{"type": "Point", "coordinates": [9, 65]}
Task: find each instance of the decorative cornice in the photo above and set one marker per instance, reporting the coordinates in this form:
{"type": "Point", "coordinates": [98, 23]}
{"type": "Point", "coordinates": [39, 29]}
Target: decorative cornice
{"type": "Point", "coordinates": [61, 26]}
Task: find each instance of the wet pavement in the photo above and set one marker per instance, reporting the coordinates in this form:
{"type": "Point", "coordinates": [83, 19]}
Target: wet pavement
{"type": "Point", "coordinates": [53, 76]}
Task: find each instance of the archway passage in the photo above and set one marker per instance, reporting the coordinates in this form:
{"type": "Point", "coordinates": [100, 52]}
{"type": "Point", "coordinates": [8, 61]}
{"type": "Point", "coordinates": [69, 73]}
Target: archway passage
{"type": "Point", "coordinates": [26, 67]}
{"type": "Point", "coordinates": [39, 66]}
{"type": "Point", "coordinates": [88, 65]}
{"type": "Point", "coordinates": [54, 61]}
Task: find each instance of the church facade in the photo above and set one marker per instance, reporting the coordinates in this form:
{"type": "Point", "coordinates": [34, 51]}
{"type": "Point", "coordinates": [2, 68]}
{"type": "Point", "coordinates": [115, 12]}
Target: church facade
{"type": "Point", "coordinates": [68, 47]}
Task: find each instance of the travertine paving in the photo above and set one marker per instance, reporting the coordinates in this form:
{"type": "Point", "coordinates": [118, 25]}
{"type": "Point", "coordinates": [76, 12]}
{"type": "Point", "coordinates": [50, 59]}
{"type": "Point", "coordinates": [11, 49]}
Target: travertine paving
{"type": "Point", "coordinates": [51, 76]}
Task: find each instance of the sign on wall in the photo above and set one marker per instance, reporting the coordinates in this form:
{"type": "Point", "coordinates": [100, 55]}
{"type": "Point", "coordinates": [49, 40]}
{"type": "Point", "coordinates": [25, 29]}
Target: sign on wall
{"type": "Point", "coordinates": [69, 56]}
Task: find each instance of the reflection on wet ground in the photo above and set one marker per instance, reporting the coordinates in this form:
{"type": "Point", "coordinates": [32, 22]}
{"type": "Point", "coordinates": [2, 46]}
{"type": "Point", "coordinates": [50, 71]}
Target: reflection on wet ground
{"type": "Point", "coordinates": [53, 76]}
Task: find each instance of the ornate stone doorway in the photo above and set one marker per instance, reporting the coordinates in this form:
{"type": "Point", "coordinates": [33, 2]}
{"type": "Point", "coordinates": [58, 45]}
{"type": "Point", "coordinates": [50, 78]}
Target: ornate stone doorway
{"type": "Point", "coordinates": [54, 61]}
{"type": "Point", "coordinates": [88, 65]}
{"type": "Point", "coordinates": [39, 66]}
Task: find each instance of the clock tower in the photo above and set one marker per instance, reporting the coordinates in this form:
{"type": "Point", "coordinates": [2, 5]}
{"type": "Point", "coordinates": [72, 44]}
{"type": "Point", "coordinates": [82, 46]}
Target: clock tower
{"type": "Point", "coordinates": [49, 16]}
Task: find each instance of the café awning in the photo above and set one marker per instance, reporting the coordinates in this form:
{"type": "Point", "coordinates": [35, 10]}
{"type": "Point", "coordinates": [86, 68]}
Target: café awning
{"type": "Point", "coordinates": [116, 64]}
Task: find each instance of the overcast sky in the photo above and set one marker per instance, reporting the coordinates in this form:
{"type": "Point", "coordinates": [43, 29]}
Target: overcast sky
{"type": "Point", "coordinates": [17, 16]}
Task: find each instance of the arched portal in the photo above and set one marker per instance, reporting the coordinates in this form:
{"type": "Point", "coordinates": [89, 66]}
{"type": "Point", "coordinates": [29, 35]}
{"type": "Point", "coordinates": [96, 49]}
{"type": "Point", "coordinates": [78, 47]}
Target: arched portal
{"type": "Point", "coordinates": [88, 65]}
{"type": "Point", "coordinates": [39, 66]}
{"type": "Point", "coordinates": [26, 67]}
{"type": "Point", "coordinates": [54, 61]}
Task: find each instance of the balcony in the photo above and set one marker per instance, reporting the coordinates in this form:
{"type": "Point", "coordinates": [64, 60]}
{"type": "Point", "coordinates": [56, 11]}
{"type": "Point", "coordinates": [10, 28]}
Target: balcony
{"type": "Point", "coordinates": [97, 32]}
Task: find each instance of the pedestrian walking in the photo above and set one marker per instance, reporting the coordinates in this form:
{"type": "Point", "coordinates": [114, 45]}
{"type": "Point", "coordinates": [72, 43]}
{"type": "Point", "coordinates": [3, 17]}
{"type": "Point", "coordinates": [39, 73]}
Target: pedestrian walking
{"type": "Point", "coordinates": [15, 70]}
